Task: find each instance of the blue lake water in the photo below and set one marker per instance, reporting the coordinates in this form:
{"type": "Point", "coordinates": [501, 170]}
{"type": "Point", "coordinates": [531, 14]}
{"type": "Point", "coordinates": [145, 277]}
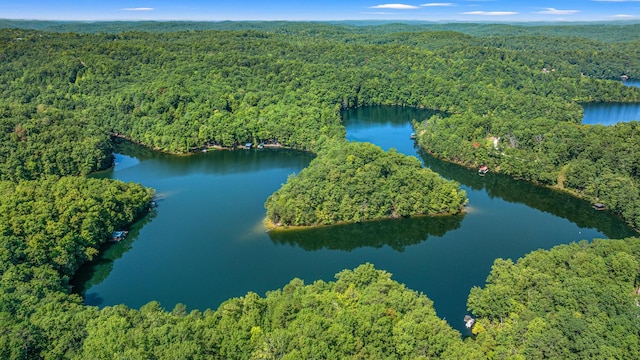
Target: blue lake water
{"type": "Point", "coordinates": [635, 83]}
{"type": "Point", "coordinates": [206, 241]}
{"type": "Point", "coordinates": [612, 113]}
{"type": "Point", "coordinates": [609, 114]}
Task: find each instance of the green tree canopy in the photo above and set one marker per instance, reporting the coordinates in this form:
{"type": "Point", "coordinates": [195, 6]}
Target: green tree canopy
{"type": "Point", "coordinates": [351, 182]}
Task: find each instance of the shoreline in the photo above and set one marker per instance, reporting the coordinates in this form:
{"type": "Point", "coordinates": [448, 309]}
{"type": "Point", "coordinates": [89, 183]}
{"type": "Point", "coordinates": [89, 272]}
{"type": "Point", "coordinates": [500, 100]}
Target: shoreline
{"type": "Point", "coordinates": [203, 148]}
{"type": "Point", "coordinates": [556, 187]}
{"type": "Point", "coordinates": [271, 226]}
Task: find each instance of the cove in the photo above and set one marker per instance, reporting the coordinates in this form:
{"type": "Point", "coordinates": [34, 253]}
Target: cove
{"type": "Point", "coordinates": [206, 243]}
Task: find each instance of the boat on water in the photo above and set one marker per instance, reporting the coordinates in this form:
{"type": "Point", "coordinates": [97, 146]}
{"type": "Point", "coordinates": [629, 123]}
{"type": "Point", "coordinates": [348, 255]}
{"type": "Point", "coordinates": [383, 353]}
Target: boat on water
{"type": "Point", "coordinates": [118, 236]}
{"type": "Point", "coordinates": [469, 321]}
{"type": "Point", "coordinates": [483, 170]}
{"type": "Point", "coordinates": [599, 206]}
{"type": "Point", "coordinates": [412, 136]}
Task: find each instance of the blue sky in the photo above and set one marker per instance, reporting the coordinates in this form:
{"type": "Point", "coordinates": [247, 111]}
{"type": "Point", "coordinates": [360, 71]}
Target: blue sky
{"type": "Point", "coordinates": [215, 10]}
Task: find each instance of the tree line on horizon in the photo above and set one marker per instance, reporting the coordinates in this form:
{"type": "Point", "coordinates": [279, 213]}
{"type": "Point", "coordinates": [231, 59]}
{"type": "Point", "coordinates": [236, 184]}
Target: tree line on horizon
{"type": "Point", "coordinates": [184, 90]}
{"type": "Point", "coordinates": [64, 95]}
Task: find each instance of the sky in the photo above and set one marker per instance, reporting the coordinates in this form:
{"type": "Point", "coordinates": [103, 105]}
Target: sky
{"type": "Point", "coordinates": [216, 10]}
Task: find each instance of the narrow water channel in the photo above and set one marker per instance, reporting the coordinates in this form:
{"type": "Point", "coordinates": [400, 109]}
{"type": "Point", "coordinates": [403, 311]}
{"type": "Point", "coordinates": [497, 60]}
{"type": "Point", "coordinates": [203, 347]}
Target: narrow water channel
{"type": "Point", "coordinates": [206, 242]}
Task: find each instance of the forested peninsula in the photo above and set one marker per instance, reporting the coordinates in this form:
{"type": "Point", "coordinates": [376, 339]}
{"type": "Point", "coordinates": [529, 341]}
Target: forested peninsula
{"type": "Point", "coordinates": [284, 84]}
{"type": "Point", "coordinates": [359, 181]}
{"type": "Point", "coordinates": [512, 96]}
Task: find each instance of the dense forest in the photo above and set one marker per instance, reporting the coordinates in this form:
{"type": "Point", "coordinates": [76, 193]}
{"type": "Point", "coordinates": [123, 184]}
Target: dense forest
{"type": "Point", "coordinates": [512, 95]}
{"type": "Point", "coordinates": [184, 90]}
{"type": "Point", "coordinates": [48, 228]}
{"type": "Point", "coordinates": [576, 301]}
{"type": "Point", "coordinates": [351, 181]}
{"type": "Point", "coordinates": [615, 31]}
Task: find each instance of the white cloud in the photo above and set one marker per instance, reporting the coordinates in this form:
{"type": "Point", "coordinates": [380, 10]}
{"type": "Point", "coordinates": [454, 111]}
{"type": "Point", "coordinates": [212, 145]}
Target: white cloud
{"type": "Point", "coordinates": [138, 9]}
{"type": "Point", "coordinates": [552, 11]}
{"type": "Point", "coordinates": [623, 16]}
{"type": "Point", "coordinates": [394, 6]}
{"type": "Point", "coordinates": [490, 13]}
{"type": "Point", "coordinates": [438, 4]}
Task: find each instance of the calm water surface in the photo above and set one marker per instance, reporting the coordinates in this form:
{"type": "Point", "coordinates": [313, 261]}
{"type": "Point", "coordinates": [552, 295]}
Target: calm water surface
{"type": "Point", "coordinates": [611, 113]}
{"type": "Point", "coordinates": [635, 83]}
{"type": "Point", "coordinates": [206, 243]}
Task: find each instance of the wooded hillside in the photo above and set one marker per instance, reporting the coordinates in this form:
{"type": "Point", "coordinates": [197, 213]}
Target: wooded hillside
{"type": "Point", "coordinates": [64, 95]}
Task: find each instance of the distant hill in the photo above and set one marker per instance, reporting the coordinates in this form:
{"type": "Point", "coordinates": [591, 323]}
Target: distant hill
{"type": "Point", "coordinates": [618, 31]}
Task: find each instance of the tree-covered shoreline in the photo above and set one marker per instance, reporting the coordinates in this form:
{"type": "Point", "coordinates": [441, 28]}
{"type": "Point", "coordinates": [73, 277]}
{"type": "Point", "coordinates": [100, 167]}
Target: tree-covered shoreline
{"type": "Point", "coordinates": [575, 301]}
{"type": "Point", "coordinates": [64, 94]}
{"type": "Point", "coordinates": [352, 182]}
{"type": "Point", "coordinates": [286, 83]}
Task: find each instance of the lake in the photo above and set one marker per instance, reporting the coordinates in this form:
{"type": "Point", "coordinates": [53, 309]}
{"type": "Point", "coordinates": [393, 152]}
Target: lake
{"type": "Point", "coordinates": [206, 242]}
